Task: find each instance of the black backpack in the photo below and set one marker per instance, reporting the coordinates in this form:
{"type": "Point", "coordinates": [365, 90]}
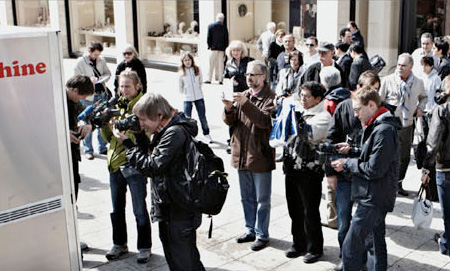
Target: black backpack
{"type": "Point", "coordinates": [209, 184]}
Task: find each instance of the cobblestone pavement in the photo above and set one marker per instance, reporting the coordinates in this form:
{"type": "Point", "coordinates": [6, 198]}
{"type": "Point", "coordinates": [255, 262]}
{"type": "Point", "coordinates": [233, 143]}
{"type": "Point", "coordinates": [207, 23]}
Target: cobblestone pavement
{"type": "Point", "coordinates": [408, 248]}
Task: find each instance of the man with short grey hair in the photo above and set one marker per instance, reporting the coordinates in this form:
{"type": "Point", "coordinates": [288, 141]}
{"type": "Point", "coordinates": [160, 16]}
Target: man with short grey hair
{"type": "Point", "coordinates": [406, 92]}
{"type": "Point", "coordinates": [330, 77]}
{"type": "Point", "coordinates": [426, 42]}
{"type": "Point", "coordinates": [265, 39]}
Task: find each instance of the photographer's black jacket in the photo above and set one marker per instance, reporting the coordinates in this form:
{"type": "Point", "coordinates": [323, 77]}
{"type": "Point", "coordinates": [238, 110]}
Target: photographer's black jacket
{"type": "Point", "coordinates": [375, 172]}
{"type": "Point", "coordinates": [344, 125]}
{"type": "Point", "coordinates": [164, 162]}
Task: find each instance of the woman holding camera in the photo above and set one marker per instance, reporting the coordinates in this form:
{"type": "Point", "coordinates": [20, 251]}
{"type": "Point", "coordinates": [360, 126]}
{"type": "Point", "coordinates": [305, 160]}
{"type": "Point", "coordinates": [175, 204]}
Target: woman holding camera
{"type": "Point", "coordinates": [122, 175]}
{"type": "Point", "coordinates": [303, 174]}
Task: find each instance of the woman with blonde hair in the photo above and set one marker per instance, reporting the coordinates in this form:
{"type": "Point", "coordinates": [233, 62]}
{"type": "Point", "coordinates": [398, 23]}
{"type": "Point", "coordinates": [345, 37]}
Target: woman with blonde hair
{"type": "Point", "coordinates": [190, 83]}
{"type": "Point", "coordinates": [123, 176]}
{"type": "Point", "coordinates": [236, 66]}
{"type": "Point", "coordinates": [235, 70]}
{"type": "Point", "coordinates": [131, 61]}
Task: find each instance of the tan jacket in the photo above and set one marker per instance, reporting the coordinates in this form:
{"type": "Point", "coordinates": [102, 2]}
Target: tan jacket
{"type": "Point", "coordinates": [250, 139]}
{"type": "Point", "coordinates": [390, 93]}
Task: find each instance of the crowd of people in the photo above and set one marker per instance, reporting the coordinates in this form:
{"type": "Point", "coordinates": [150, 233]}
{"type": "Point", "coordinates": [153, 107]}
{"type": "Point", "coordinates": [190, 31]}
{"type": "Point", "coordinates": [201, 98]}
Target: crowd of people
{"type": "Point", "coordinates": [350, 128]}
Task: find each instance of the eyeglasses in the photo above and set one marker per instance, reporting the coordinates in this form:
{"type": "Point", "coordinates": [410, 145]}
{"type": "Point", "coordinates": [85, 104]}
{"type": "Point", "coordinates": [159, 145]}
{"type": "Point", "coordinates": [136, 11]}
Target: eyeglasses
{"type": "Point", "coordinates": [310, 44]}
{"type": "Point", "coordinates": [127, 53]}
{"type": "Point", "coordinates": [357, 109]}
{"type": "Point", "coordinates": [252, 74]}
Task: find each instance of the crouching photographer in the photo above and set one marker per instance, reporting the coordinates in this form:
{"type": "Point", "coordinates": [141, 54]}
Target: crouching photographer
{"type": "Point", "coordinates": [164, 160]}
{"type": "Point", "coordinates": [123, 175]}
{"type": "Point", "coordinates": [304, 174]}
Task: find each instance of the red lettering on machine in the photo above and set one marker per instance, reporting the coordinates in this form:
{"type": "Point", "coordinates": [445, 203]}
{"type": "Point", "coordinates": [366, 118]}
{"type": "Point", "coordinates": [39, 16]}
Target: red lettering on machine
{"type": "Point", "coordinates": [21, 70]}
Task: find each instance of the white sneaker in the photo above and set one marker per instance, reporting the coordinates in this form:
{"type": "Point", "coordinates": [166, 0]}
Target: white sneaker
{"type": "Point", "coordinates": [144, 255]}
{"type": "Point", "coordinates": [208, 139]}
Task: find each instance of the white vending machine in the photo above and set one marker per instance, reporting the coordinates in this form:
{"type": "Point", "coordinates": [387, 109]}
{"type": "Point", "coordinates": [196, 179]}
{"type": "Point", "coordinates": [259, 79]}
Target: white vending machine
{"type": "Point", "coordinates": [38, 229]}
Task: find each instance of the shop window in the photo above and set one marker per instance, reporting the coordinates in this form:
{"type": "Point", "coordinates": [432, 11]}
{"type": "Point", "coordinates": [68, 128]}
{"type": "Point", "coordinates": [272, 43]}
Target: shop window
{"type": "Point", "coordinates": [309, 18]}
{"type": "Point", "coordinates": [431, 17]}
{"type": "Point", "coordinates": [93, 21]}
{"type": "Point", "coordinates": [167, 29]}
{"type": "Point", "coordinates": [32, 13]}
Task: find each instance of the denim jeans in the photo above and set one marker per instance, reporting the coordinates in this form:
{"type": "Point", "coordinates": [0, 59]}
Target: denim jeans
{"type": "Point", "coordinates": [256, 189]}
{"type": "Point", "coordinates": [443, 187]}
{"type": "Point", "coordinates": [138, 190]}
{"type": "Point", "coordinates": [87, 142]}
{"type": "Point", "coordinates": [365, 239]}
{"type": "Point", "coordinates": [200, 106]}
{"type": "Point", "coordinates": [344, 205]}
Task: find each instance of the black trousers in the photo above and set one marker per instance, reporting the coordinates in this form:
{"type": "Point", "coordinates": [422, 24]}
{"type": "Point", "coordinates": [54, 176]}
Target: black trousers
{"type": "Point", "coordinates": [179, 239]}
{"type": "Point", "coordinates": [76, 176]}
{"type": "Point", "coordinates": [303, 195]}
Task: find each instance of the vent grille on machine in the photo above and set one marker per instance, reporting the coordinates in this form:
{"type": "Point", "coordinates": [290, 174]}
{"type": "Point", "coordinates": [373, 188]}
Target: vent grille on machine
{"type": "Point", "coordinates": [30, 210]}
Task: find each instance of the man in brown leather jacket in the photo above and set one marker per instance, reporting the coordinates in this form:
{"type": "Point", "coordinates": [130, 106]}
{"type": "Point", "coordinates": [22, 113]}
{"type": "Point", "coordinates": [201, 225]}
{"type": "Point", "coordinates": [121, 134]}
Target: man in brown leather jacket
{"type": "Point", "coordinates": [251, 155]}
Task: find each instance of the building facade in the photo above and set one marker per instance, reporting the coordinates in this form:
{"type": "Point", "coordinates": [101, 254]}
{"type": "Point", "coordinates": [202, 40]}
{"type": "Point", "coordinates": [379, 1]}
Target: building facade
{"type": "Point", "coordinates": [161, 30]}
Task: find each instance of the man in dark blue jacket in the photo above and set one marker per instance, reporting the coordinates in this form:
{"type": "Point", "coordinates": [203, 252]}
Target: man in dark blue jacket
{"type": "Point", "coordinates": [374, 187]}
{"type": "Point", "coordinates": [217, 42]}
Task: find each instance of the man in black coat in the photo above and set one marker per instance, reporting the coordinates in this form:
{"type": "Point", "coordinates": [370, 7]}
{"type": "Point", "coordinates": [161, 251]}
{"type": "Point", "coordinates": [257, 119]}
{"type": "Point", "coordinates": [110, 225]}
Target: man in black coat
{"type": "Point", "coordinates": [374, 182]}
{"type": "Point", "coordinates": [217, 42]}
{"type": "Point", "coordinates": [326, 53]}
{"type": "Point", "coordinates": [360, 64]}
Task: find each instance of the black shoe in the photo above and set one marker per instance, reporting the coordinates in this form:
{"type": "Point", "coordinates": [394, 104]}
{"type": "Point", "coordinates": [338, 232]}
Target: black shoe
{"type": "Point", "coordinates": [245, 238]}
{"type": "Point", "coordinates": [207, 82]}
{"type": "Point", "coordinates": [402, 192]}
{"type": "Point", "coordinates": [293, 252]}
{"type": "Point", "coordinates": [104, 152]}
{"type": "Point", "coordinates": [339, 267]}
{"type": "Point", "coordinates": [229, 150]}
{"type": "Point", "coordinates": [437, 238]}
{"type": "Point", "coordinates": [220, 83]}
{"type": "Point", "coordinates": [311, 258]}
{"type": "Point", "coordinates": [259, 244]}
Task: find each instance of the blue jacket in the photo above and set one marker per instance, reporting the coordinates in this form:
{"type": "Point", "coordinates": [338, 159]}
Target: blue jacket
{"type": "Point", "coordinates": [375, 172]}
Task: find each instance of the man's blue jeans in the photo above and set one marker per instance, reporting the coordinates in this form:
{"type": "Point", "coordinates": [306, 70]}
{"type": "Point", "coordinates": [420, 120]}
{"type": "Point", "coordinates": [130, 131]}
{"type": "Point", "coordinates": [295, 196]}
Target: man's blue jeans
{"type": "Point", "coordinates": [256, 189]}
{"type": "Point", "coordinates": [344, 205]}
{"type": "Point", "coordinates": [443, 188]}
{"type": "Point", "coordinates": [200, 106]}
{"type": "Point", "coordinates": [365, 239]}
{"type": "Point", "coordinates": [87, 142]}
{"type": "Point", "coordinates": [137, 183]}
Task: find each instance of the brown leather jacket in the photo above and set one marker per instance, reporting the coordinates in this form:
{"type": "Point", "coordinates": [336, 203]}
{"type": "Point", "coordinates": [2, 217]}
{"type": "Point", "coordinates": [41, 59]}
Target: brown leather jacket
{"type": "Point", "coordinates": [250, 139]}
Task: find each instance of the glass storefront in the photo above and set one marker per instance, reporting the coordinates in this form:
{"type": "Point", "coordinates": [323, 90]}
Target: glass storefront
{"type": "Point", "coordinates": [32, 13]}
{"type": "Point", "coordinates": [431, 18]}
{"type": "Point", "coordinates": [166, 29]}
{"type": "Point", "coordinates": [93, 21]}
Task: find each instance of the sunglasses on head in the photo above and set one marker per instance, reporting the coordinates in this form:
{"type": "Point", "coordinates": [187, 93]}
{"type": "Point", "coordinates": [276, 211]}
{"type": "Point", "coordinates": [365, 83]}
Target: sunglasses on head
{"type": "Point", "coordinates": [127, 53]}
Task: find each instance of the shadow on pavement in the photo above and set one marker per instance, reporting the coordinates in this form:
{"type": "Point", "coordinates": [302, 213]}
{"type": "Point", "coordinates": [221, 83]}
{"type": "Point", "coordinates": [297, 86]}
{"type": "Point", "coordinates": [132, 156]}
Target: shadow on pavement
{"type": "Point", "coordinates": [90, 184]}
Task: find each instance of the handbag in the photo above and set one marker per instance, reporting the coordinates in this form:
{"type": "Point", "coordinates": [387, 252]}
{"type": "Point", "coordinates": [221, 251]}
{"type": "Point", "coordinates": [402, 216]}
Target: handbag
{"type": "Point", "coordinates": [422, 213]}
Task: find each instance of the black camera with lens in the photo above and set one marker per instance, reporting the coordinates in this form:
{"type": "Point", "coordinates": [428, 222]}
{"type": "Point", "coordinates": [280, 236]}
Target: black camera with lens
{"type": "Point", "coordinates": [327, 152]}
{"type": "Point", "coordinates": [100, 113]}
{"type": "Point", "coordinates": [129, 123]}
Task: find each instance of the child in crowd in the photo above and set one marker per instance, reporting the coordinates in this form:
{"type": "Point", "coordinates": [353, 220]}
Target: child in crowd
{"type": "Point", "coordinates": [191, 85]}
